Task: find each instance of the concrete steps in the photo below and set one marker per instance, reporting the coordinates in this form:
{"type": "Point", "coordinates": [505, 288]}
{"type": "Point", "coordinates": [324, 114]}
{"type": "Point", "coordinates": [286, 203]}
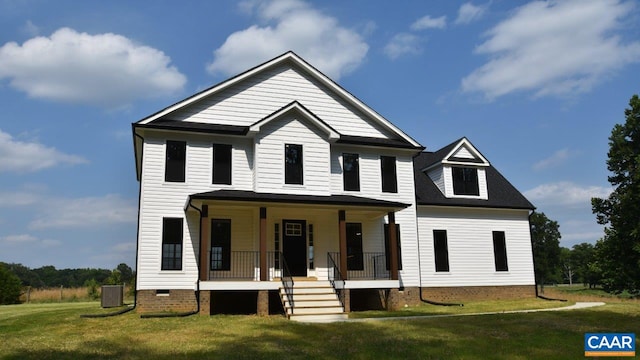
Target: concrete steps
{"type": "Point", "coordinates": [313, 301]}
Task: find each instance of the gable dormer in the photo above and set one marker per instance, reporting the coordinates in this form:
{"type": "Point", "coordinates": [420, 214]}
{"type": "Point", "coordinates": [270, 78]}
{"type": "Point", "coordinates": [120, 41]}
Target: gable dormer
{"type": "Point", "coordinates": [460, 171]}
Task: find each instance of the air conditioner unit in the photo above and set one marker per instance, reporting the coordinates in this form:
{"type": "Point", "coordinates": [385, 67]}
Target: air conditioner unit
{"type": "Point", "coordinates": [112, 296]}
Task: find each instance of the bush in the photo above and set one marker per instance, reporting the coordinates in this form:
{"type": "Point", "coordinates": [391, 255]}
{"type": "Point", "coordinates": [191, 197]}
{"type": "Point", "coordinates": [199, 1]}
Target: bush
{"type": "Point", "coordinates": [10, 287]}
{"type": "Point", "coordinates": [92, 289]}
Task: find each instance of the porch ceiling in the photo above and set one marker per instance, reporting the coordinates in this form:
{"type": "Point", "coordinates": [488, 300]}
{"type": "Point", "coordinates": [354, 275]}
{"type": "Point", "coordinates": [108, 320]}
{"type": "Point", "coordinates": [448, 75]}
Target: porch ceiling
{"type": "Point", "coordinates": [331, 200]}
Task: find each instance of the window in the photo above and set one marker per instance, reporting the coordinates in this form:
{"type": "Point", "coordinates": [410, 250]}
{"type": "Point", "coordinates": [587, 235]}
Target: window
{"type": "Point", "coordinates": [351, 172]}
{"type": "Point", "coordinates": [388, 169]}
{"type": "Point", "coordinates": [500, 251]}
{"type": "Point", "coordinates": [221, 164]}
{"type": "Point", "coordinates": [387, 249]}
{"type": "Point", "coordinates": [441, 250]}
{"type": "Point", "coordinates": [175, 161]}
{"type": "Point", "coordinates": [171, 244]}
{"type": "Point", "coordinates": [220, 244]}
{"type": "Point", "coordinates": [354, 247]}
{"type": "Point", "coordinates": [293, 164]}
{"type": "Point", "coordinates": [465, 181]}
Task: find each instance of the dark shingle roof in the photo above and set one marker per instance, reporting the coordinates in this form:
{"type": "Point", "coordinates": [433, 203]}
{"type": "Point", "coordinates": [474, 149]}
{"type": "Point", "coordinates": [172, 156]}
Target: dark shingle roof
{"type": "Point", "coordinates": [501, 193]}
{"type": "Point", "coordinates": [244, 195]}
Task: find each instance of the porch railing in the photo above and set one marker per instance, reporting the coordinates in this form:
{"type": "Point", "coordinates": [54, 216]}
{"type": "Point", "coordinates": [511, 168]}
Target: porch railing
{"type": "Point", "coordinates": [335, 275]}
{"type": "Point", "coordinates": [240, 265]}
{"type": "Point", "coordinates": [365, 266]}
{"type": "Point", "coordinates": [286, 278]}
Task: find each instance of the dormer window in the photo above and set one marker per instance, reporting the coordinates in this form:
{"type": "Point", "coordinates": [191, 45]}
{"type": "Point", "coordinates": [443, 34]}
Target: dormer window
{"type": "Point", "coordinates": [465, 181]}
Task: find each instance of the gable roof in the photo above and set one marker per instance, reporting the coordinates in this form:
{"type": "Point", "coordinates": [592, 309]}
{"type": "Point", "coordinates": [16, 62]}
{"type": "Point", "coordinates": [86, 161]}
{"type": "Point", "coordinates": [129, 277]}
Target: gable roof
{"type": "Point", "coordinates": [502, 194]}
{"type": "Point", "coordinates": [295, 106]}
{"type": "Point", "coordinates": [448, 155]}
{"type": "Point", "coordinates": [294, 60]}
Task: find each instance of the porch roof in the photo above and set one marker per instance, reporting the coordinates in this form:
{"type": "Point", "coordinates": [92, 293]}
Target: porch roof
{"type": "Point", "coordinates": [252, 196]}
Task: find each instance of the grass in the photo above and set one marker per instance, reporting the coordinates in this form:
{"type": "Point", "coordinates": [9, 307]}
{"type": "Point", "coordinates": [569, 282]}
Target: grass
{"type": "Point", "coordinates": [58, 295]}
{"type": "Point", "coordinates": [54, 331]}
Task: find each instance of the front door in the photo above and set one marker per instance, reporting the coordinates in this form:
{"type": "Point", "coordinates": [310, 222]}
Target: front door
{"type": "Point", "coordinates": [294, 246]}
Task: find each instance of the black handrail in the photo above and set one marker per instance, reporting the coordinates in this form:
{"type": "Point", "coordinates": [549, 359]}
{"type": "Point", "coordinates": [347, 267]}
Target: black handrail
{"type": "Point", "coordinates": [332, 270]}
{"type": "Point", "coordinates": [286, 278]}
{"type": "Point", "coordinates": [366, 266]}
{"type": "Point", "coordinates": [234, 265]}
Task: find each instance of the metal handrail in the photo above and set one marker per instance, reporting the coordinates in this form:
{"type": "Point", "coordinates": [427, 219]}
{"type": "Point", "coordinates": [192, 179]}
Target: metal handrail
{"type": "Point", "coordinates": [332, 270]}
{"type": "Point", "coordinates": [287, 279]}
{"type": "Point", "coordinates": [239, 265]}
{"type": "Point", "coordinates": [374, 266]}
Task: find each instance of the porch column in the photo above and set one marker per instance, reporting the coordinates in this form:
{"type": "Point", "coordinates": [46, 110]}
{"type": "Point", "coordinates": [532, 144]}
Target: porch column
{"type": "Point", "coordinates": [342, 239]}
{"type": "Point", "coordinates": [263, 244]}
{"type": "Point", "coordinates": [393, 246]}
{"type": "Point", "coordinates": [204, 230]}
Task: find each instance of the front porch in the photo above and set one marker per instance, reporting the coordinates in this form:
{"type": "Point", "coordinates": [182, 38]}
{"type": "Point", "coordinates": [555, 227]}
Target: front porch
{"type": "Point", "coordinates": [272, 246]}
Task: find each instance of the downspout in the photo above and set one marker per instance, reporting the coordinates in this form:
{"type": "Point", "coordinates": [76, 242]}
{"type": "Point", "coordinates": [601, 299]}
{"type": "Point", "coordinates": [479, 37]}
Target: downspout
{"type": "Point", "coordinates": [197, 292]}
{"type": "Point", "coordinates": [420, 264]}
{"type": "Point", "coordinates": [135, 291]}
{"type": "Point", "coordinates": [533, 257]}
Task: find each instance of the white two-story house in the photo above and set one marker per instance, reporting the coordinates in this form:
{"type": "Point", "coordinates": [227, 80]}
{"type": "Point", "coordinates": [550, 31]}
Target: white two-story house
{"type": "Point", "coordinates": [278, 184]}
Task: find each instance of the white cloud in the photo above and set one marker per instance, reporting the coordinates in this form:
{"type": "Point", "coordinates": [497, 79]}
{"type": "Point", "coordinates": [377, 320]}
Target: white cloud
{"type": "Point", "coordinates": [468, 13]}
{"type": "Point", "coordinates": [553, 48]}
{"type": "Point", "coordinates": [291, 25]}
{"type": "Point", "coordinates": [427, 22]}
{"type": "Point", "coordinates": [104, 69]}
{"type": "Point", "coordinates": [566, 194]}
{"type": "Point", "coordinates": [402, 44]}
{"type": "Point", "coordinates": [124, 247]}
{"type": "Point", "coordinates": [85, 212]}
{"type": "Point", "coordinates": [30, 240]}
{"type": "Point", "coordinates": [558, 158]}
{"type": "Point", "coordinates": [20, 156]}
{"type": "Point", "coordinates": [19, 198]}
{"type": "Point", "coordinates": [30, 28]}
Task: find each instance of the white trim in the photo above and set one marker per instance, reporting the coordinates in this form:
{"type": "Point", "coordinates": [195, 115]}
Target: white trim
{"type": "Point", "coordinates": [333, 135]}
{"type": "Point", "coordinates": [465, 143]}
{"type": "Point", "coordinates": [240, 285]}
{"type": "Point", "coordinates": [372, 284]}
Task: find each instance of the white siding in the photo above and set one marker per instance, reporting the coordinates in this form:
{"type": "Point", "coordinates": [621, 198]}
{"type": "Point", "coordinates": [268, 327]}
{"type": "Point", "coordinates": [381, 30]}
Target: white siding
{"type": "Point", "coordinates": [257, 97]}
{"type": "Point", "coordinates": [160, 199]}
{"type": "Point", "coordinates": [463, 153]}
{"type": "Point", "coordinates": [437, 176]}
{"type": "Point", "coordinates": [270, 143]}
{"type": "Point", "coordinates": [470, 246]}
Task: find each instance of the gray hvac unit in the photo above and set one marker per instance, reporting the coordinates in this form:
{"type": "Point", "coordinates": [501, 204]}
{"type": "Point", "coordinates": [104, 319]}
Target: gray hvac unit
{"type": "Point", "coordinates": [112, 296]}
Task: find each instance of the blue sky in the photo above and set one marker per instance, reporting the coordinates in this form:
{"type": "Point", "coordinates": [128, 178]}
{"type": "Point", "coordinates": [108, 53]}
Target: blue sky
{"type": "Point", "coordinates": [536, 86]}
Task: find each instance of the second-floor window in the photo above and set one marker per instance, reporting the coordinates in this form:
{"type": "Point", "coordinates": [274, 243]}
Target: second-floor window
{"type": "Point", "coordinates": [293, 164]}
{"type": "Point", "coordinates": [465, 181]}
{"type": "Point", "coordinates": [351, 172]}
{"type": "Point", "coordinates": [221, 164]}
{"type": "Point", "coordinates": [175, 161]}
{"type": "Point", "coordinates": [388, 169]}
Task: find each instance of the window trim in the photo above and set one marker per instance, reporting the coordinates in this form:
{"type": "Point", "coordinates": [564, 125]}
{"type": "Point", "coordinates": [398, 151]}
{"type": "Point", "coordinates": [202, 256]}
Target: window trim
{"type": "Point", "coordinates": [172, 165]}
{"type": "Point", "coordinates": [351, 178]}
{"type": "Point", "coordinates": [174, 262]}
{"type": "Point", "coordinates": [388, 175]}
{"type": "Point", "coordinates": [443, 252]}
{"type": "Point", "coordinates": [221, 147]}
{"type": "Point", "coordinates": [298, 168]}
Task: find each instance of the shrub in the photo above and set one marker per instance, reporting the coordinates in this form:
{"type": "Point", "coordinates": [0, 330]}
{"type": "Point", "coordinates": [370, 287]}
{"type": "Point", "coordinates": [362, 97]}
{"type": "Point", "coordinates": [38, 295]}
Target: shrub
{"type": "Point", "coordinates": [10, 287]}
{"type": "Point", "coordinates": [92, 289]}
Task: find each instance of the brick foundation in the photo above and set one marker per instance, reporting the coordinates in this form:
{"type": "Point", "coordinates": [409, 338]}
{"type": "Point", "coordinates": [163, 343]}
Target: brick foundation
{"type": "Point", "coordinates": [467, 293]}
{"type": "Point", "coordinates": [263, 303]}
{"type": "Point", "coordinates": [205, 302]}
{"type": "Point", "coordinates": [151, 301]}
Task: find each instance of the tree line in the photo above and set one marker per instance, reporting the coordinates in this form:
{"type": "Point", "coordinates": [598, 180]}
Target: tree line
{"type": "Point", "coordinates": [15, 277]}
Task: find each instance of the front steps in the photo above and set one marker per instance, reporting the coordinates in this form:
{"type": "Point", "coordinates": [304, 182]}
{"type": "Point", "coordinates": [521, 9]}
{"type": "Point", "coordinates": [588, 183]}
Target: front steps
{"type": "Point", "coordinates": [313, 301]}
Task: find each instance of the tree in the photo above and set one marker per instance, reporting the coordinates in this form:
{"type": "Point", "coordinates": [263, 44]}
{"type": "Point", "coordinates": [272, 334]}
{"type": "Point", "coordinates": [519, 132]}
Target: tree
{"type": "Point", "coordinates": [584, 260]}
{"type": "Point", "coordinates": [126, 273]}
{"type": "Point", "coordinates": [568, 270]}
{"type": "Point", "coordinates": [10, 287]}
{"type": "Point", "coordinates": [619, 257]}
{"type": "Point", "coordinates": [545, 237]}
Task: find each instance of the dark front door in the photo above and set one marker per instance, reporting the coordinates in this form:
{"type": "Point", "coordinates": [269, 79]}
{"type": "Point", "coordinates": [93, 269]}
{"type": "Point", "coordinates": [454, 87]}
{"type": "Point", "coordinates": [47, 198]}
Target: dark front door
{"type": "Point", "coordinates": [294, 246]}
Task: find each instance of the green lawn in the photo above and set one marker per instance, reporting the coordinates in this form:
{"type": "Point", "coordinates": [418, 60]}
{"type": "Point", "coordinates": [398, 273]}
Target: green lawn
{"type": "Point", "coordinates": [54, 331]}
